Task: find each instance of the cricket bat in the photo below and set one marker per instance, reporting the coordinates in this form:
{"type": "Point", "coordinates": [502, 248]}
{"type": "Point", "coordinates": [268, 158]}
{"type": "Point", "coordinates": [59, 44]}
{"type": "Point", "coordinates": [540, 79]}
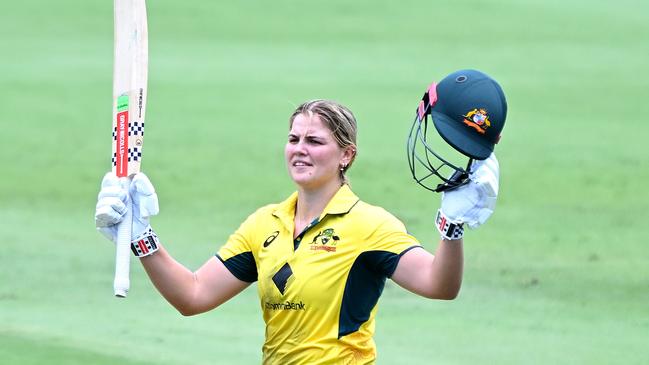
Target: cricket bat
{"type": "Point", "coordinates": [129, 105]}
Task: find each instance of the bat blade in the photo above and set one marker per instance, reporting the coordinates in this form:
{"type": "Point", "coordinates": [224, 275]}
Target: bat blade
{"type": "Point", "coordinates": [129, 106]}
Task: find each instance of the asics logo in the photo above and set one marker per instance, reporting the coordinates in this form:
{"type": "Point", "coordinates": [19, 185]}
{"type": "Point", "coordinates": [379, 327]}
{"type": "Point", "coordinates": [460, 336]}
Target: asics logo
{"type": "Point", "coordinates": [271, 238]}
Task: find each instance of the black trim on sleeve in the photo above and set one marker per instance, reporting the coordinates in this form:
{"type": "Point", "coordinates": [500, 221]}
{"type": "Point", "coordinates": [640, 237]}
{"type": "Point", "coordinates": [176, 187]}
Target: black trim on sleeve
{"type": "Point", "coordinates": [242, 266]}
{"type": "Point", "coordinates": [394, 267]}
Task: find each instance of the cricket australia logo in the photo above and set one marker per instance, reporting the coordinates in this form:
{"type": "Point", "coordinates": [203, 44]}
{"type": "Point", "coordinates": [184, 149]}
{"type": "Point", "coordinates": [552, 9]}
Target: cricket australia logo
{"type": "Point", "coordinates": [478, 120]}
{"type": "Point", "coordinates": [325, 240]}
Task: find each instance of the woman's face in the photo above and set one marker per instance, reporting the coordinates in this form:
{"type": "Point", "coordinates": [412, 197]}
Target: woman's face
{"type": "Point", "coordinates": [312, 155]}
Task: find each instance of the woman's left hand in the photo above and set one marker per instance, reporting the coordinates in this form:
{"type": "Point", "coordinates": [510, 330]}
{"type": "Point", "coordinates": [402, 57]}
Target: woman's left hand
{"type": "Point", "coordinates": [473, 203]}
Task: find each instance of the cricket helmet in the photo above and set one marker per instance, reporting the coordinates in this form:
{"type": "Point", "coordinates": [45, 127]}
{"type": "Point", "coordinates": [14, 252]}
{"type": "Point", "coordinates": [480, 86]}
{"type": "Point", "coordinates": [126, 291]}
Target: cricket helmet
{"type": "Point", "coordinates": [468, 110]}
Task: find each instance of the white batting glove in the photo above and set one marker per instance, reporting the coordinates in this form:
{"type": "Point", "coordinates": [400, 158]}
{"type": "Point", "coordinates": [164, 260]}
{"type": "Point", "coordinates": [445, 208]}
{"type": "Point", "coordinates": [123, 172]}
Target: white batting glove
{"type": "Point", "coordinates": [111, 205]}
{"type": "Point", "coordinates": [473, 203]}
{"type": "Point", "coordinates": [145, 203]}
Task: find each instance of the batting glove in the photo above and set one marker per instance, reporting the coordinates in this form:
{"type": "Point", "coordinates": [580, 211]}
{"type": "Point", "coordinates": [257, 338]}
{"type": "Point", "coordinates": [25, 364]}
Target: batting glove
{"type": "Point", "coordinates": [472, 203]}
{"type": "Point", "coordinates": [111, 206]}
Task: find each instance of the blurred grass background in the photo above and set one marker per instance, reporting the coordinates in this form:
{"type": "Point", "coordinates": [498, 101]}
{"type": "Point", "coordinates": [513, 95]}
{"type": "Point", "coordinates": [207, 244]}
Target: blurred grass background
{"type": "Point", "coordinates": [559, 275]}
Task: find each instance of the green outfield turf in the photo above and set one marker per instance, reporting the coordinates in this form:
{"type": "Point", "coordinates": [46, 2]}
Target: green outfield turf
{"type": "Point", "coordinates": [559, 275]}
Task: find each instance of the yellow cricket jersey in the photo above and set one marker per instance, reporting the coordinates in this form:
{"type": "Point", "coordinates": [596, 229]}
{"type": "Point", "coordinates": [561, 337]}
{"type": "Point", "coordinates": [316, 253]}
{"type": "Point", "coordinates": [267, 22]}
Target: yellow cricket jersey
{"type": "Point", "coordinates": [319, 291]}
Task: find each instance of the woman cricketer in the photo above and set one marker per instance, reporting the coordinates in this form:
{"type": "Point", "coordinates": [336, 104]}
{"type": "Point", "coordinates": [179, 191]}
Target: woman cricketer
{"type": "Point", "coordinates": [320, 258]}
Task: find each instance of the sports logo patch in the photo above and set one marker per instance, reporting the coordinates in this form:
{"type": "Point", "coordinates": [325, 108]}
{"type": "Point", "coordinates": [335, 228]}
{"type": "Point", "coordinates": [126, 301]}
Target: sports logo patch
{"type": "Point", "coordinates": [478, 120]}
{"type": "Point", "coordinates": [325, 240]}
{"type": "Point", "coordinates": [271, 238]}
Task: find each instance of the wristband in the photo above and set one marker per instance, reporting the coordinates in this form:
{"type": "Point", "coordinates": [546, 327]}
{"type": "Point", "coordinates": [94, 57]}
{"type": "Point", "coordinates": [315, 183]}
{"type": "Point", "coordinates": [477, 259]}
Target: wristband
{"type": "Point", "coordinates": [146, 244]}
{"type": "Point", "coordinates": [449, 230]}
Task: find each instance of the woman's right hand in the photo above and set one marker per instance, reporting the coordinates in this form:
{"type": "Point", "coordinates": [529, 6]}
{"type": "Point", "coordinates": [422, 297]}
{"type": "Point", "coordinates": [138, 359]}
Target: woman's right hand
{"type": "Point", "coordinates": [111, 205]}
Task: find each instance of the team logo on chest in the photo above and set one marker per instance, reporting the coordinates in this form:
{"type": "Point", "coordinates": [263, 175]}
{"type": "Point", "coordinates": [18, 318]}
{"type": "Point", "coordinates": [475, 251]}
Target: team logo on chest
{"type": "Point", "coordinates": [325, 240]}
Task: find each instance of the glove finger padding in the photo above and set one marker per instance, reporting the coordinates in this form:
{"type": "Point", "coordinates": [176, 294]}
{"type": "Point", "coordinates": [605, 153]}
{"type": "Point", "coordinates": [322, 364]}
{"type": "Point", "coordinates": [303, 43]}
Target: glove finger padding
{"type": "Point", "coordinates": [458, 202]}
{"type": "Point", "coordinates": [474, 202]}
{"type": "Point", "coordinates": [145, 204]}
{"type": "Point", "coordinates": [110, 179]}
{"type": "Point", "coordinates": [112, 192]}
{"type": "Point", "coordinates": [109, 211]}
{"type": "Point", "coordinates": [485, 173]}
{"type": "Point", "coordinates": [111, 202]}
{"type": "Point", "coordinates": [486, 178]}
{"type": "Point", "coordinates": [145, 199]}
{"type": "Point", "coordinates": [111, 206]}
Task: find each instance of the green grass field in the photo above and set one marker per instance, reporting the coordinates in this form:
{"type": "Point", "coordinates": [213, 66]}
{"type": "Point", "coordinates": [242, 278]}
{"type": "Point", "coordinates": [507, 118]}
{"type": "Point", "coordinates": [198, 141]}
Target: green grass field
{"type": "Point", "coordinates": [559, 275]}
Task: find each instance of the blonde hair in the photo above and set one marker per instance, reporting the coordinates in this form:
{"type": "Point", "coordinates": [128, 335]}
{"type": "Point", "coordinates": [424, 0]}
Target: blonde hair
{"type": "Point", "coordinates": [339, 119]}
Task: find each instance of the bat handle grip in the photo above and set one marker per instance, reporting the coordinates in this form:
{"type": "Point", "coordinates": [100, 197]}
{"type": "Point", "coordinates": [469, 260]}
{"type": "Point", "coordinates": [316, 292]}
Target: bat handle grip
{"type": "Point", "coordinates": [123, 246]}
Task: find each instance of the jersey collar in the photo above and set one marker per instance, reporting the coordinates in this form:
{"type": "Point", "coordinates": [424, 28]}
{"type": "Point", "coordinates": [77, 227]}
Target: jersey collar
{"type": "Point", "coordinates": [342, 202]}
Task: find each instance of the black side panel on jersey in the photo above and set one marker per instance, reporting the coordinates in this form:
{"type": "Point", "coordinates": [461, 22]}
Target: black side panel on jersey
{"type": "Point", "coordinates": [364, 286]}
{"type": "Point", "coordinates": [242, 266]}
